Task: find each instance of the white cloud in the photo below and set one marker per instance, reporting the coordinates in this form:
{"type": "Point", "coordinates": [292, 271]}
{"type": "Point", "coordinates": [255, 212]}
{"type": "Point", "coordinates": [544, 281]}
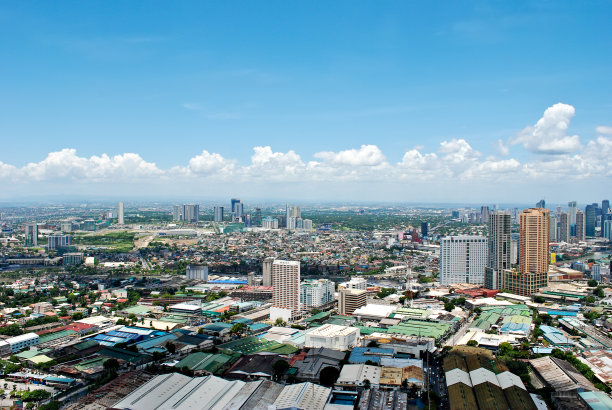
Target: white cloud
{"type": "Point", "coordinates": [602, 129]}
{"type": "Point", "coordinates": [549, 134]}
{"type": "Point", "coordinates": [206, 164]}
{"type": "Point", "coordinates": [367, 155]}
{"type": "Point", "coordinates": [65, 164]}
{"type": "Point", "coordinates": [502, 148]}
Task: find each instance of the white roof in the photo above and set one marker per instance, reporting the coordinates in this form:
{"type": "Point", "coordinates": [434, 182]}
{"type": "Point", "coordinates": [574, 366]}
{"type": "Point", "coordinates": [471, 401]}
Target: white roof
{"type": "Point", "coordinates": [22, 338]}
{"type": "Point", "coordinates": [482, 375]}
{"type": "Point", "coordinates": [329, 330]}
{"type": "Point", "coordinates": [458, 376]}
{"type": "Point", "coordinates": [399, 362]}
{"type": "Point", "coordinates": [357, 373]}
{"type": "Point", "coordinates": [375, 310]}
{"type": "Point", "coordinates": [307, 396]}
{"type": "Point", "coordinates": [185, 306]}
{"type": "Point", "coordinates": [507, 379]}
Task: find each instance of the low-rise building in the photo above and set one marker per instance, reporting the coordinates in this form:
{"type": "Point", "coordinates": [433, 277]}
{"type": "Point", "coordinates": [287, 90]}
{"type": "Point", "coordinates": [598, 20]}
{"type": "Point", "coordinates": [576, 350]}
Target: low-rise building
{"type": "Point", "coordinates": [333, 337]}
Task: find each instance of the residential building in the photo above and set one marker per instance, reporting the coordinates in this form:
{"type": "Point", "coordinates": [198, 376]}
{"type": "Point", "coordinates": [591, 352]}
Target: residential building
{"type": "Point", "coordinates": [316, 293]}
{"type": "Point", "coordinates": [607, 229]}
{"type": "Point", "coordinates": [191, 213]}
{"type": "Point", "coordinates": [463, 259]}
{"type": "Point", "coordinates": [425, 229]}
{"type": "Point", "coordinates": [553, 226]}
{"type": "Point", "coordinates": [564, 228]}
{"type": "Point", "coordinates": [267, 271]}
{"type": "Point", "coordinates": [355, 283]}
{"type": "Point", "coordinates": [498, 248]}
{"type": "Point", "coordinates": [484, 214]}
{"type": "Point", "coordinates": [534, 256]}
{"type": "Point", "coordinates": [237, 209]}
{"type": "Point", "coordinates": [120, 219]}
{"type": "Point", "coordinates": [580, 225]}
{"type": "Point", "coordinates": [177, 213]}
{"type": "Point", "coordinates": [58, 241]}
{"type": "Point", "coordinates": [218, 214]}
{"type": "Point", "coordinates": [350, 300]}
{"type": "Point", "coordinates": [285, 289]}
{"type": "Point", "coordinates": [31, 234]}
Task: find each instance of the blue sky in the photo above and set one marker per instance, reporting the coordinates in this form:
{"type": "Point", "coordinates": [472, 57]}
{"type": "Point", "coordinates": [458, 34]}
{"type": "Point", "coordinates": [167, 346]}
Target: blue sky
{"type": "Point", "coordinates": [166, 81]}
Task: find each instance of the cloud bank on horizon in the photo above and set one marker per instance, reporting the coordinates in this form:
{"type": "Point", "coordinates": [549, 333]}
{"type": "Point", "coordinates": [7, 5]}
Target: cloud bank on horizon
{"type": "Point", "coordinates": [556, 156]}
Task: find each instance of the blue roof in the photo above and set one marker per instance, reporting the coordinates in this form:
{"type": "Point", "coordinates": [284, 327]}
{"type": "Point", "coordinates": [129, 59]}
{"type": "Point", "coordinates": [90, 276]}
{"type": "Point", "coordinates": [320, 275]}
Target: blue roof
{"type": "Point", "coordinates": [561, 313]}
{"type": "Point", "coordinates": [556, 336]}
{"type": "Point", "coordinates": [59, 379]}
{"type": "Point", "coordinates": [234, 281]}
{"type": "Point", "coordinates": [515, 327]}
{"type": "Point", "coordinates": [363, 354]}
{"type": "Point", "coordinates": [542, 350]}
{"type": "Point", "coordinates": [156, 341]}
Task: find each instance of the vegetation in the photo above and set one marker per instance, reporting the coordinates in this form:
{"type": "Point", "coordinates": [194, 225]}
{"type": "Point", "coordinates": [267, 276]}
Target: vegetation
{"type": "Point", "coordinates": [581, 367]}
{"type": "Point", "coordinates": [328, 376]}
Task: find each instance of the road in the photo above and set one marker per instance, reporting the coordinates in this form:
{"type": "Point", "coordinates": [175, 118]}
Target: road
{"type": "Point", "coordinates": [459, 333]}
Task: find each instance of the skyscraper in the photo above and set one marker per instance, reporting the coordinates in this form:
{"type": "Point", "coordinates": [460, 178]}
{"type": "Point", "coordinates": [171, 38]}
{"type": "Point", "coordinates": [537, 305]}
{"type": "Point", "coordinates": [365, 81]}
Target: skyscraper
{"type": "Point", "coordinates": [606, 229]}
{"type": "Point", "coordinates": [177, 213]}
{"type": "Point", "coordinates": [484, 214]}
{"type": "Point", "coordinates": [58, 241]}
{"type": "Point", "coordinates": [316, 292]}
{"type": "Point", "coordinates": [553, 228]}
{"type": "Point", "coordinates": [218, 213]}
{"type": "Point", "coordinates": [425, 229]}
{"type": "Point", "coordinates": [564, 228]}
{"type": "Point", "coordinates": [580, 225]}
{"type": "Point", "coordinates": [267, 271]}
{"type": "Point", "coordinates": [605, 207]}
{"type": "Point", "coordinates": [590, 219]}
{"type": "Point", "coordinates": [572, 208]}
{"type": "Point", "coordinates": [120, 214]}
{"type": "Point", "coordinates": [350, 300]}
{"type": "Point", "coordinates": [237, 210]}
{"type": "Point", "coordinates": [463, 259]}
{"type": "Point", "coordinates": [499, 249]}
{"type": "Point", "coordinates": [191, 213]}
{"type": "Point", "coordinates": [534, 257]}
{"type": "Point", "coordinates": [257, 221]}
{"type": "Point", "coordinates": [285, 289]}
{"type": "Point", "coordinates": [31, 234]}
{"type": "Point", "coordinates": [541, 204]}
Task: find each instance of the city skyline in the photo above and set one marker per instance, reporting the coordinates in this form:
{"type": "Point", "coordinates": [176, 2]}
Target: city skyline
{"type": "Point", "coordinates": [149, 104]}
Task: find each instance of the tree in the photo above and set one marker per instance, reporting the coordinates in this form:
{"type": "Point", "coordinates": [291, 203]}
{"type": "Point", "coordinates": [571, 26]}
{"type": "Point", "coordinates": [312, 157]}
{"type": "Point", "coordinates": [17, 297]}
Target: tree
{"type": "Point", "coordinates": [77, 316]}
{"type": "Point", "coordinates": [367, 384]}
{"type": "Point", "coordinates": [239, 328]}
{"type": "Point", "coordinates": [472, 343]}
{"type": "Point", "coordinates": [111, 364]}
{"type": "Point", "coordinates": [592, 283]}
{"type": "Point", "coordinates": [539, 299]}
{"type": "Point", "coordinates": [280, 367]}
{"type": "Point", "coordinates": [171, 347]}
{"type": "Point", "coordinates": [280, 322]}
{"type": "Point", "coordinates": [328, 376]}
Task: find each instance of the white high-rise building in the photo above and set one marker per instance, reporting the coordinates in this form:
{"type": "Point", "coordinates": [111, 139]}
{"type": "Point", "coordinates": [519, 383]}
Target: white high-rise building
{"type": "Point", "coordinates": [177, 213]}
{"type": "Point", "coordinates": [315, 293]}
{"type": "Point", "coordinates": [120, 214]}
{"type": "Point", "coordinates": [355, 283]}
{"type": "Point", "coordinates": [572, 209]}
{"type": "Point", "coordinates": [564, 228]}
{"type": "Point", "coordinates": [552, 226]}
{"type": "Point", "coordinates": [58, 241]}
{"type": "Point", "coordinates": [285, 290]}
{"type": "Point", "coordinates": [463, 259]}
{"type": "Point", "coordinates": [191, 213]}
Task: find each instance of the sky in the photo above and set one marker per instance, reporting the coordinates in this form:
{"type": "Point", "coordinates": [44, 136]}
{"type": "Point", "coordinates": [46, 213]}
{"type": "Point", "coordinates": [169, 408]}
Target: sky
{"type": "Point", "coordinates": [307, 100]}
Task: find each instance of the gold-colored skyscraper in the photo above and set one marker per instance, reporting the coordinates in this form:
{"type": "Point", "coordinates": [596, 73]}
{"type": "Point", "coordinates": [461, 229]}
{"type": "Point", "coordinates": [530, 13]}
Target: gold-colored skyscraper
{"type": "Point", "coordinates": [534, 256]}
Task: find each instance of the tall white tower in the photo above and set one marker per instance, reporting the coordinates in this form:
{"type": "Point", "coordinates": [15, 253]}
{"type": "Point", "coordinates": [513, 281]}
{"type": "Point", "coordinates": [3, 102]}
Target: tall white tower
{"type": "Point", "coordinates": [120, 213]}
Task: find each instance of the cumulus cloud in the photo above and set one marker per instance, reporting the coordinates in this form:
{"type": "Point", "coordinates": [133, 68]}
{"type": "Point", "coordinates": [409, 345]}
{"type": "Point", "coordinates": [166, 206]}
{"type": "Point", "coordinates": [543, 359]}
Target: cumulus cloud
{"type": "Point", "coordinates": [602, 129]}
{"type": "Point", "coordinates": [206, 164]}
{"type": "Point", "coordinates": [367, 155]}
{"type": "Point", "coordinates": [502, 148]}
{"type": "Point", "coordinates": [66, 164]}
{"type": "Point", "coordinates": [549, 134]}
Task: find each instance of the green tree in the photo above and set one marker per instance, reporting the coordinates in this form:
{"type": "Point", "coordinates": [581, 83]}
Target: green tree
{"type": "Point", "coordinates": [472, 343]}
{"type": "Point", "coordinates": [328, 376]}
{"type": "Point", "coordinates": [592, 283]}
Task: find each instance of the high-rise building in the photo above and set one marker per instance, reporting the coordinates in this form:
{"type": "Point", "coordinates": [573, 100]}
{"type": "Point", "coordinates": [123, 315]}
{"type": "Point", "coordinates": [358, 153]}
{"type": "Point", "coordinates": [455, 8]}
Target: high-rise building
{"type": "Point", "coordinates": [307, 224]}
{"type": "Point", "coordinates": [499, 249]}
{"type": "Point", "coordinates": [534, 256]}
{"type": "Point", "coordinates": [31, 234]}
{"type": "Point", "coordinates": [553, 226]}
{"type": "Point", "coordinates": [257, 221]}
{"type": "Point", "coordinates": [349, 300]}
{"type": "Point", "coordinates": [316, 292]}
{"type": "Point", "coordinates": [59, 241]}
{"type": "Point", "coordinates": [285, 289]}
{"type": "Point", "coordinates": [296, 212]}
{"type": "Point", "coordinates": [606, 229]}
{"type": "Point", "coordinates": [564, 228]}
{"type": "Point", "coordinates": [463, 259]}
{"type": "Point", "coordinates": [218, 213]}
{"type": "Point", "coordinates": [541, 204]}
{"type": "Point", "coordinates": [572, 208]}
{"type": "Point", "coordinates": [425, 229]}
{"type": "Point", "coordinates": [590, 219]}
{"type": "Point", "coordinates": [177, 213]}
{"type": "Point", "coordinates": [580, 225]}
{"type": "Point", "coordinates": [191, 213]}
{"type": "Point", "coordinates": [120, 220]}
{"type": "Point", "coordinates": [237, 210]}
{"type": "Point", "coordinates": [484, 214]}
{"type": "Point", "coordinates": [267, 271]}
{"type": "Point", "coordinates": [605, 207]}
{"type": "Point", "coordinates": [197, 272]}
